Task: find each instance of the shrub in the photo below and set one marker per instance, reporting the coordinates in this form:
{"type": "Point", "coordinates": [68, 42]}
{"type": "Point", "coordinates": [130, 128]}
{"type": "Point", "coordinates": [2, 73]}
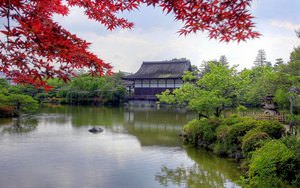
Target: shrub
{"type": "Point", "coordinates": [191, 130]}
{"type": "Point", "coordinates": [202, 132]}
{"type": "Point", "coordinates": [230, 136]}
{"type": "Point", "coordinates": [207, 132]}
{"type": "Point", "coordinates": [273, 128]}
{"type": "Point", "coordinates": [42, 97]}
{"type": "Point", "coordinates": [235, 118]}
{"type": "Point", "coordinates": [267, 163]}
{"type": "Point", "coordinates": [253, 140]}
{"type": "Point", "coordinates": [291, 171]}
{"type": "Point", "coordinates": [23, 103]}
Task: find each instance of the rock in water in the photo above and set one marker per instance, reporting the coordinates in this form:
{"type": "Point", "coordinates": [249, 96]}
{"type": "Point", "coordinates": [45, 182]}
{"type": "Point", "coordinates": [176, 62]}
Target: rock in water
{"type": "Point", "coordinates": [96, 130]}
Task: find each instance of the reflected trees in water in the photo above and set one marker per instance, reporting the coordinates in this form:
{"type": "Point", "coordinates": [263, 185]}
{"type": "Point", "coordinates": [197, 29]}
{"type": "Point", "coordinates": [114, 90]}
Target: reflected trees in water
{"type": "Point", "coordinates": [208, 171]}
{"type": "Point", "coordinates": [21, 125]}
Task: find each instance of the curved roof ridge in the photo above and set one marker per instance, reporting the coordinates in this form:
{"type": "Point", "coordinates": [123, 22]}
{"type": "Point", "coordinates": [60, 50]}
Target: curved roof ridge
{"type": "Point", "coordinates": [161, 69]}
{"type": "Point", "coordinates": [168, 61]}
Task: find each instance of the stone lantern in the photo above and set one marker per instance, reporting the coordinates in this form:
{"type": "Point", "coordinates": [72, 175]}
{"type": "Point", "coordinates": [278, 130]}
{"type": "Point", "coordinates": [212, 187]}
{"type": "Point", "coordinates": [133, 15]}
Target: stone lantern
{"type": "Point", "coordinates": [269, 106]}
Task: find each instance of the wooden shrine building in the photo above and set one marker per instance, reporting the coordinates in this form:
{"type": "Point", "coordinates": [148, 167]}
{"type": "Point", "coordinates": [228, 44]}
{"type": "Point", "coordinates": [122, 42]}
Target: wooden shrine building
{"type": "Point", "coordinates": [155, 77]}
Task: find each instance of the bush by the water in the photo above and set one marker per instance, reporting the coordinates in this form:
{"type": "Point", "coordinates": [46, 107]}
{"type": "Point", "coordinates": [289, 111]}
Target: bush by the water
{"type": "Point", "coordinates": [227, 136]}
{"type": "Point", "coordinates": [270, 159]}
{"type": "Point", "coordinates": [201, 132]}
{"type": "Point", "coordinates": [252, 140]}
{"type": "Point", "coordinates": [276, 164]}
{"type": "Point", "coordinates": [15, 104]}
{"type": "Point", "coordinates": [273, 128]}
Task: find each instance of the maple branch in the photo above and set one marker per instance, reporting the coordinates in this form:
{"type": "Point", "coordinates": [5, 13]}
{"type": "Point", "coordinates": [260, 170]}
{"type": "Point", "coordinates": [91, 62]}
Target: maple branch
{"type": "Point", "coordinates": [8, 21]}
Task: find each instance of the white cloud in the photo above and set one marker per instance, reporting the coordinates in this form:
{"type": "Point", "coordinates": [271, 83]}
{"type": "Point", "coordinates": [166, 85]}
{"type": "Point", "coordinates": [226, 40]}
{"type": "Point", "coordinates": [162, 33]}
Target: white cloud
{"type": "Point", "coordinates": [126, 50]}
{"type": "Point", "coordinates": [285, 25]}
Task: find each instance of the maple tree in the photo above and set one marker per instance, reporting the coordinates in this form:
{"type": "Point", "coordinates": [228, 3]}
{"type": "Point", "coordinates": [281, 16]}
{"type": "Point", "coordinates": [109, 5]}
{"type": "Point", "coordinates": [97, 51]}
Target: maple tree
{"type": "Point", "coordinates": [34, 47]}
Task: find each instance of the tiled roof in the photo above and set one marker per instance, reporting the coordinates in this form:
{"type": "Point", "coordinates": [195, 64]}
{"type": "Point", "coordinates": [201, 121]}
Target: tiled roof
{"type": "Point", "coordinates": [161, 69]}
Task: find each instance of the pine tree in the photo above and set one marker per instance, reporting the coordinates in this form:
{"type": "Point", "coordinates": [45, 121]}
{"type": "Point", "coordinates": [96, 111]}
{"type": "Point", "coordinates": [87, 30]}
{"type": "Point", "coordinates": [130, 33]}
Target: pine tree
{"type": "Point", "coordinates": [261, 59]}
{"type": "Point", "coordinates": [223, 60]}
{"type": "Point", "coordinates": [278, 62]}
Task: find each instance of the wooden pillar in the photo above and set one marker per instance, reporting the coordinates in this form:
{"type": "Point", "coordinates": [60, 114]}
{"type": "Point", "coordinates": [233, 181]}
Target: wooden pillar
{"type": "Point", "coordinates": [174, 83]}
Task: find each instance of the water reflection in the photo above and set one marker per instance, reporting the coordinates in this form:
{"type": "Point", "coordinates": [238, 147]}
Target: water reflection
{"type": "Point", "coordinates": [23, 124]}
{"type": "Point", "coordinates": [138, 148]}
{"type": "Point", "coordinates": [208, 171]}
{"type": "Point", "coordinates": [151, 127]}
{"type": "Point", "coordinates": [155, 127]}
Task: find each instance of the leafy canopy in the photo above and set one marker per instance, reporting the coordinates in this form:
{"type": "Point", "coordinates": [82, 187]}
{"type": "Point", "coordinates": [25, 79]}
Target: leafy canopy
{"type": "Point", "coordinates": [34, 47]}
{"type": "Point", "coordinates": [210, 94]}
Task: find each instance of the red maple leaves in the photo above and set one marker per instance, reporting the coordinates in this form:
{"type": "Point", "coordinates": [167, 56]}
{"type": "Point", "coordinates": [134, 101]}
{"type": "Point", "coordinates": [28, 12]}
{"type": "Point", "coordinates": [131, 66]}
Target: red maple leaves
{"type": "Point", "coordinates": [34, 48]}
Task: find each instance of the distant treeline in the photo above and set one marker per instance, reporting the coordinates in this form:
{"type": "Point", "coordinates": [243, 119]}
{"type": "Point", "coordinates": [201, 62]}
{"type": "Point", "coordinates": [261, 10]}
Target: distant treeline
{"type": "Point", "coordinates": [81, 90]}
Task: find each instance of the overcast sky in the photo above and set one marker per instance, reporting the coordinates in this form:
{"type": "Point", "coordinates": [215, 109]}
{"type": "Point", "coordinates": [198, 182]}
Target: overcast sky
{"type": "Point", "coordinates": [155, 37]}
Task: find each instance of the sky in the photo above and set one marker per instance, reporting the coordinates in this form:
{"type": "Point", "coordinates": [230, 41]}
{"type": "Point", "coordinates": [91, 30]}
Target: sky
{"type": "Point", "coordinates": [155, 38]}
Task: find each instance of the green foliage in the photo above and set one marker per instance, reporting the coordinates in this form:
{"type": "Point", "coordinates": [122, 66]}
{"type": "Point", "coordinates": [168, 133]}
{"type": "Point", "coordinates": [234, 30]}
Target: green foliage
{"type": "Point", "coordinates": [15, 104]}
{"type": "Point", "coordinates": [256, 84]}
{"type": "Point", "coordinates": [282, 98]}
{"type": "Point", "coordinates": [241, 108]}
{"type": "Point", "coordinates": [24, 89]}
{"type": "Point", "coordinates": [23, 103]}
{"type": "Point", "coordinates": [166, 97]}
{"type": "Point", "coordinates": [189, 76]}
{"type": "Point", "coordinates": [207, 132]}
{"type": "Point", "coordinates": [210, 94]}
{"type": "Point", "coordinates": [191, 130]}
{"type": "Point", "coordinates": [4, 85]}
{"type": "Point", "coordinates": [267, 164]}
{"type": "Point", "coordinates": [235, 118]}
{"type": "Point", "coordinates": [270, 163]}
{"type": "Point", "coordinates": [232, 133]}
{"type": "Point", "coordinates": [202, 132]}
{"type": "Point", "coordinates": [295, 55]}
{"type": "Point", "coordinates": [230, 136]}
{"type": "Point", "coordinates": [273, 128]}
{"type": "Point", "coordinates": [291, 170]}
{"type": "Point", "coordinates": [86, 89]}
{"type": "Point", "coordinates": [253, 140]}
{"type": "Point", "coordinates": [287, 77]}
{"type": "Point", "coordinates": [294, 119]}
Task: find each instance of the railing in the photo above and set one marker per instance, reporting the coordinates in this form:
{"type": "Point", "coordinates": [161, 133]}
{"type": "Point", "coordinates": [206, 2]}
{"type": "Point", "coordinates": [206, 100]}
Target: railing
{"type": "Point", "coordinates": [282, 118]}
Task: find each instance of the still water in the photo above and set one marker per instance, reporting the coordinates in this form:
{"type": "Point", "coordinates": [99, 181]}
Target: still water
{"type": "Point", "coordinates": [139, 148]}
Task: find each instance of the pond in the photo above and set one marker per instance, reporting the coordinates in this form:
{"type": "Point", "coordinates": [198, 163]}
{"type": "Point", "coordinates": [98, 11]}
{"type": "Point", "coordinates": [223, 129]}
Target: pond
{"type": "Point", "coordinates": [139, 148]}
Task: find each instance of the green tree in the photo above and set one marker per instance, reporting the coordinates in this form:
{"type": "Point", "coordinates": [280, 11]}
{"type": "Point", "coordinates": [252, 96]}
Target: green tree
{"type": "Point", "coordinates": [256, 84]}
{"type": "Point", "coordinates": [223, 60]}
{"type": "Point", "coordinates": [278, 62]}
{"type": "Point", "coordinates": [288, 82]}
{"type": "Point", "coordinates": [22, 103]}
{"type": "Point", "coordinates": [261, 59]}
{"type": "Point", "coordinates": [295, 55]}
{"type": "Point", "coordinates": [208, 96]}
{"type": "Point", "coordinates": [87, 89]}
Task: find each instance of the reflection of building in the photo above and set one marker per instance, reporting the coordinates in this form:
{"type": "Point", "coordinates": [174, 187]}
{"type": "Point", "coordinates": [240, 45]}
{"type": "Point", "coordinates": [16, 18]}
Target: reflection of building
{"type": "Point", "coordinates": [156, 127]}
{"type": "Point", "coordinates": [155, 77]}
